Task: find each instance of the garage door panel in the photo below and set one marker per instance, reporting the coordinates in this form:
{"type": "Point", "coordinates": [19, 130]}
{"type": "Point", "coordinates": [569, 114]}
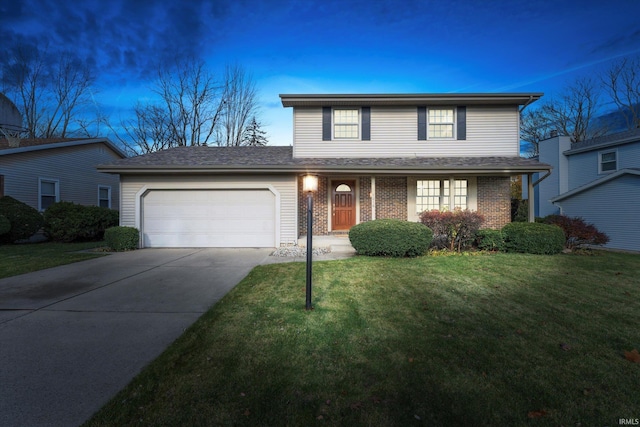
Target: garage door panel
{"type": "Point", "coordinates": [209, 218]}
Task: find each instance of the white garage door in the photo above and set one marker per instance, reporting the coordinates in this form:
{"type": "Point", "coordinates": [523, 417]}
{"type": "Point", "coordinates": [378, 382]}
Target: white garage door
{"type": "Point", "coordinates": [209, 218]}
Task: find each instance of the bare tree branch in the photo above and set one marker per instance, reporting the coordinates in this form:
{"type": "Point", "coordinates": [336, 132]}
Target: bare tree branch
{"type": "Point", "coordinates": [622, 83]}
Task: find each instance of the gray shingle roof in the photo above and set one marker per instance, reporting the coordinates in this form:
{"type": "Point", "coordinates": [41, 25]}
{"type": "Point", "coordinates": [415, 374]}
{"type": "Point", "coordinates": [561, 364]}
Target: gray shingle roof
{"type": "Point", "coordinates": [280, 159]}
{"type": "Point", "coordinates": [605, 141]}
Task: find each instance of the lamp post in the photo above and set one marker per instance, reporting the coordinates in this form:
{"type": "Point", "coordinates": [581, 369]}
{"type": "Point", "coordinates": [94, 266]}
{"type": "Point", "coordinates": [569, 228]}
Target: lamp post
{"type": "Point", "coordinates": [309, 186]}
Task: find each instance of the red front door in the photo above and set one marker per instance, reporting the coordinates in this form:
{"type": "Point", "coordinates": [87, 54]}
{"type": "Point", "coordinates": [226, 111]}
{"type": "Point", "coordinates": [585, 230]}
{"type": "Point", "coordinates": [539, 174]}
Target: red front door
{"type": "Point", "coordinates": [343, 204]}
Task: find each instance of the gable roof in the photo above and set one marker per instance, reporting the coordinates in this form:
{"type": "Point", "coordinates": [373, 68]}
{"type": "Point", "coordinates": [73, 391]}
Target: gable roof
{"type": "Point", "coordinates": [612, 140]}
{"type": "Point", "coordinates": [595, 183]}
{"type": "Point", "coordinates": [411, 99]}
{"type": "Point", "coordinates": [37, 144]}
{"type": "Point", "coordinates": [279, 159]}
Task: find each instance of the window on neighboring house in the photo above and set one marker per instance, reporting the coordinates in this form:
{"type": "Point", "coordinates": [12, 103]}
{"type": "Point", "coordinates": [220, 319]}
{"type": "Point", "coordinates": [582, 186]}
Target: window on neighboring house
{"type": "Point", "coordinates": [346, 123]}
{"type": "Point", "coordinates": [441, 122]}
{"type": "Point", "coordinates": [608, 162]}
{"type": "Point", "coordinates": [104, 196]}
{"type": "Point", "coordinates": [49, 192]}
{"type": "Point", "coordinates": [436, 194]}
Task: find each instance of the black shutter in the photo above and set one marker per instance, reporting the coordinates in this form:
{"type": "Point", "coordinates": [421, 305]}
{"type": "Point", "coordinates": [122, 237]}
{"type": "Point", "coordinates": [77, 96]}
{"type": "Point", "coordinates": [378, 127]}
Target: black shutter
{"type": "Point", "coordinates": [462, 123]}
{"type": "Point", "coordinates": [422, 123]}
{"type": "Point", "coordinates": [366, 123]}
{"type": "Point", "coordinates": [326, 123]}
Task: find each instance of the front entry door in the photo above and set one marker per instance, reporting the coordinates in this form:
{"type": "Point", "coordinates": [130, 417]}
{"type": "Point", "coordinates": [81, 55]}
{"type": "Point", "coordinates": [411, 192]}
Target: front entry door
{"type": "Point", "coordinates": [343, 204]}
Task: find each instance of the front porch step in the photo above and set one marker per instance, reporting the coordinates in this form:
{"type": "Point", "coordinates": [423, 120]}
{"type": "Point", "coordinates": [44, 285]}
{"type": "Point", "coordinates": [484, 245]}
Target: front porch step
{"type": "Point", "coordinates": [338, 244]}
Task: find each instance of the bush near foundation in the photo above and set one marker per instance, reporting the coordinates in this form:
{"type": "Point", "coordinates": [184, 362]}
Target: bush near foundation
{"type": "Point", "coordinates": [122, 238]}
{"type": "Point", "coordinates": [489, 239]}
{"type": "Point", "coordinates": [533, 238]}
{"type": "Point", "coordinates": [69, 222]}
{"type": "Point", "coordinates": [453, 230]}
{"type": "Point", "coordinates": [577, 231]}
{"type": "Point", "coordinates": [5, 225]}
{"type": "Point", "coordinates": [24, 220]}
{"type": "Point", "coordinates": [391, 238]}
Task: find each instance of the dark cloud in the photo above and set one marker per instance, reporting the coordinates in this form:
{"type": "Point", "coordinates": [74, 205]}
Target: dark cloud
{"type": "Point", "coordinates": [121, 37]}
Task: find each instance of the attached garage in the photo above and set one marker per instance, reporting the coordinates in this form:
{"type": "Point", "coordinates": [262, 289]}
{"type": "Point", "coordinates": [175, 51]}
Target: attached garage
{"type": "Point", "coordinates": [208, 218]}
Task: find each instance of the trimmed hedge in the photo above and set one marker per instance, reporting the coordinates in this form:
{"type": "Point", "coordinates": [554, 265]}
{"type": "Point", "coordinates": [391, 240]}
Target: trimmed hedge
{"type": "Point", "coordinates": [68, 222]}
{"type": "Point", "coordinates": [489, 239]}
{"type": "Point", "coordinates": [122, 238]}
{"type": "Point", "coordinates": [533, 238]}
{"type": "Point", "coordinates": [390, 237]}
{"type": "Point", "coordinates": [5, 225]}
{"type": "Point", "coordinates": [25, 221]}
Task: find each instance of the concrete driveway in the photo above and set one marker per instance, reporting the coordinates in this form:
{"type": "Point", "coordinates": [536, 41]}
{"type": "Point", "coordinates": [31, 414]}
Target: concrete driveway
{"type": "Point", "coordinates": [73, 336]}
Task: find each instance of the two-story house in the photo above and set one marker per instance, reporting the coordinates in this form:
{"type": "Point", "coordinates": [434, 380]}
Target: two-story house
{"type": "Point", "coordinates": [375, 156]}
{"type": "Point", "coordinates": [40, 172]}
{"type": "Point", "coordinates": [597, 180]}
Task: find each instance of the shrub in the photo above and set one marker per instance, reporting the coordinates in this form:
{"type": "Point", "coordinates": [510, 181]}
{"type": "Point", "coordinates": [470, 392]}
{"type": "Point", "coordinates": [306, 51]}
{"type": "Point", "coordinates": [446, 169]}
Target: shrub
{"type": "Point", "coordinates": [490, 240]}
{"type": "Point", "coordinates": [452, 229]}
{"type": "Point", "coordinates": [577, 232]}
{"type": "Point", "coordinates": [519, 210]}
{"type": "Point", "coordinates": [533, 238]}
{"type": "Point", "coordinates": [68, 222]}
{"type": "Point", "coordinates": [25, 221]}
{"type": "Point", "coordinates": [390, 237]}
{"type": "Point", "coordinates": [122, 238]}
{"type": "Point", "coordinates": [5, 225]}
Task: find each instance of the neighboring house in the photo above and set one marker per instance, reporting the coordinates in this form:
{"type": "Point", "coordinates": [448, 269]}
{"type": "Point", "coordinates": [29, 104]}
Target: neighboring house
{"type": "Point", "coordinates": [40, 172]}
{"type": "Point", "coordinates": [597, 180]}
{"type": "Point", "coordinates": [376, 156]}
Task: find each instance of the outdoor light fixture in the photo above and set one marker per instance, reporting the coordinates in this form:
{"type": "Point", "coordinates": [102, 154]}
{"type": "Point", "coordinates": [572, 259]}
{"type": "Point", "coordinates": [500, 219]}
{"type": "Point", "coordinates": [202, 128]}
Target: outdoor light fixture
{"type": "Point", "coordinates": [309, 186]}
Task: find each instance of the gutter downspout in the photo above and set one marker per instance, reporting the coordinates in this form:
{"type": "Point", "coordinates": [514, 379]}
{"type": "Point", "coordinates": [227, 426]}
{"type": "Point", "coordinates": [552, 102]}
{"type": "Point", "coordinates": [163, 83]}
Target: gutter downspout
{"type": "Point", "coordinates": [532, 197]}
{"type": "Point", "coordinates": [526, 104]}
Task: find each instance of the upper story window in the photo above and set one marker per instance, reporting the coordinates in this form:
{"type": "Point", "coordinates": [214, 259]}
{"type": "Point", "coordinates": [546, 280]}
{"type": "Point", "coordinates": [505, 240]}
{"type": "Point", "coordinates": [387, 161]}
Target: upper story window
{"type": "Point", "coordinates": [435, 194]}
{"type": "Point", "coordinates": [441, 123]}
{"type": "Point", "coordinates": [608, 162]}
{"type": "Point", "coordinates": [49, 192]}
{"type": "Point", "coordinates": [104, 196]}
{"type": "Point", "coordinates": [346, 123]}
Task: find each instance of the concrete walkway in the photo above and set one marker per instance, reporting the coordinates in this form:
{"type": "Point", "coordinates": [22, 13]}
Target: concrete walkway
{"type": "Point", "coordinates": [72, 336]}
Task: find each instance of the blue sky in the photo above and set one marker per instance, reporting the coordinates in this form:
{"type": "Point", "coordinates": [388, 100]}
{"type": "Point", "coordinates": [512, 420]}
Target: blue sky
{"type": "Point", "coordinates": [330, 46]}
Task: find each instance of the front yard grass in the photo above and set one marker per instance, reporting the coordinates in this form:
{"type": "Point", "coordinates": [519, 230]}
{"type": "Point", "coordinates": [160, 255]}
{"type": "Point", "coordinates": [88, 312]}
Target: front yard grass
{"type": "Point", "coordinates": [28, 257]}
{"type": "Point", "coordinates": [500, 340]}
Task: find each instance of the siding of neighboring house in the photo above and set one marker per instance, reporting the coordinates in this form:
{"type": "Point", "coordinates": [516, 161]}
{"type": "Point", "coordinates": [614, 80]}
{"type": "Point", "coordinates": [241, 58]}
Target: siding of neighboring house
{"type": "Point", "coordinates": [490, 131]}
{"type": "Point", "coordinates": [612, 207]}
{"type": "Point", "coordinates": [74, 168]}
{"type": "Point", "coordinates": [584, 166]}
{"type": "Point", "coordinates": [285, 185]}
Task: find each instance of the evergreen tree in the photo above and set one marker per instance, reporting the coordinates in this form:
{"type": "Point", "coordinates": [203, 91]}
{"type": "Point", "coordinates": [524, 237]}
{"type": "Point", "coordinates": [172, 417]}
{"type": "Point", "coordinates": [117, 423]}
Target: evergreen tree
{"type": "Point", "coordinates": [253, 135]}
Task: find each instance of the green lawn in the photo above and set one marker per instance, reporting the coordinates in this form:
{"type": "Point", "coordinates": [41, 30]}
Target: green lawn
{"type": "Point", "coordinates": [24, 258]}
{"type": "Point", "coordinates": [502, 340]}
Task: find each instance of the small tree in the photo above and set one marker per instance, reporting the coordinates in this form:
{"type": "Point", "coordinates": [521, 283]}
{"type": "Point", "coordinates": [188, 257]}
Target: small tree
{"type": "Point", "coordinates": [452, 229]}
{"type": "Point", "coordinates": [253, 135]}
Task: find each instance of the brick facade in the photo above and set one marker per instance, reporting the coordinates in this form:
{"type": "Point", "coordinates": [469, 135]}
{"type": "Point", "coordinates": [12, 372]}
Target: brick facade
{"type": "Point", "coordinates": [391, 197]}
{"type": "Point", "coordinates": [320, 208]}
{"type": "Point", "coordinates": [494, 200]}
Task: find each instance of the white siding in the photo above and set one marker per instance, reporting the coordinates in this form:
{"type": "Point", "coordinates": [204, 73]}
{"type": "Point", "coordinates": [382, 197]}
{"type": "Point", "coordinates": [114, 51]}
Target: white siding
{"type": "Point", "coordinates": [613, 208]}
{"type": "Point", "coordinates": [133, 188]}
{"type": "Point", "coordinates": [74, 167]}
{"type": "Point", "coordinates": [491, 131]}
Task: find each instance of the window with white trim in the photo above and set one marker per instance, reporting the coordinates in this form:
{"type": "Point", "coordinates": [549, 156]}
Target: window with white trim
{"type": "Point", "coordinates": [440, 123]}
{"type": "Point", "coordinates": [104, 196]}
{"type": "Point", "coordinates": [49, 192]}
{"type": "Point", "coordinates": [435, 194]}
{"type": "Point", "coordinates": [608, 162]}
{"type": "Point", "coordinates": [346, 123]}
